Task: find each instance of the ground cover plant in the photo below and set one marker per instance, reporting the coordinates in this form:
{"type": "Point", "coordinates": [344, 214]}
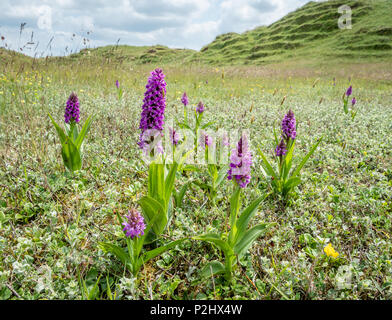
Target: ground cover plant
{"type": "Point", "coordinates": [331, 239]}
{"type": "Point", "coordinates": [291, 198]}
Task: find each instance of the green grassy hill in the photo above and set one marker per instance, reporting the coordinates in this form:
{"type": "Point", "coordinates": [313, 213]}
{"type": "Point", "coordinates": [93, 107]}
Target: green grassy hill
{"type": "Point", "coordinates": [134, 54]}
{"type": "Point", "coordinates": [9, 57]}
{"type": "Point", "coordinates": [310, 32]}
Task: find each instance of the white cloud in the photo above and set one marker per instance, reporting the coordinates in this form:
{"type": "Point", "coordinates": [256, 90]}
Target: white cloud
{"type": "Point", "coordinates": [44, 21]}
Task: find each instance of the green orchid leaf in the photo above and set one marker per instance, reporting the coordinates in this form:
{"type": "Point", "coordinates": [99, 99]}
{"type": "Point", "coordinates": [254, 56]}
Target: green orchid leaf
{"type": "Point", "coordinates": [306, 158]}
{"type": "Point", "coordinates": [169, 182]}
{"type": "Point", "coordinates": [120, 253]}
{"type": "Point", "coordinates": [156, 181]}
{"type": "Point", "coordinates": [184, 126]}
{"type": "Point", "coordinates": [221, 176]}
{"type": "Point", "coordinates": [212, 268]}
{"type": "Point", "coordinates": [345, 105]}
{"type": "Point", "coordinates": [154, 213]}
{"type": "Point", "coordinates": [207, 125]}
{"type": "Point", "coordinates": [213, 172]}
{"type": "Point", "coordinates": [267, 167]}
{"type": "Point", "coordinates": [158, 251]}
{"type": "Point", "coordinates": [83, 132]}
{"type": "Point", "coordinates": [60, 131]}
{"type": "Point", "coordinates": [290, 184]}
{"type": "Point", "coordinates": [72, 131]}
{"type": "Point", "coordinates": [179, 196]}
{"type": "Point", "coordinates": [215, 239]}
{"type": "Point", "coordinates": [243, 243]}
{"type": "Point", "coordinates": [245, 217]}
{"type": "Point", "coordinates": [288, 160]}
{"type": "Point", "coordinates": [71, 155]}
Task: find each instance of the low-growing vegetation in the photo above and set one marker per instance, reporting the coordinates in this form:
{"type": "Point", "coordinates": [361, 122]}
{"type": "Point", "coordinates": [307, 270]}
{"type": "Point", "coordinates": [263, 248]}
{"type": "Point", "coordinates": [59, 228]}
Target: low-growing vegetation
{"type": "Point", "coordinates": [55, 222]}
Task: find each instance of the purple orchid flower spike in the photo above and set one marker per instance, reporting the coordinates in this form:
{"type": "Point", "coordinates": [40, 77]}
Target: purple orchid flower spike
{"type": "Point", "coordinates": [200, 108]}
{"type": "Point", "coordinates": [134, 226]}
{"type": "Point", "coordinates": [154, 104]}
{"type": "Point", "coordinates": [241, 162]}
{"type": "Point", "coordinates": [349, 91]}
{"type": "Point", "coordinates": [72, 112]}
{"type": "Point", "coordinates": [184, 99]}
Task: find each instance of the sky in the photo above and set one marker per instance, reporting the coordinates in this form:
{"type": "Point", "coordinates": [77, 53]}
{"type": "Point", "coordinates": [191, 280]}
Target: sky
{"type": "Point", "coordinates": [60, 27]}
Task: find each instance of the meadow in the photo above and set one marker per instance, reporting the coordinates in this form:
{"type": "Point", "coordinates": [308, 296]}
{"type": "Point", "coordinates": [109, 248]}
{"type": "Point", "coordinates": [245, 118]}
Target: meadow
{"type": "Point", "coordinates": [52, 221]}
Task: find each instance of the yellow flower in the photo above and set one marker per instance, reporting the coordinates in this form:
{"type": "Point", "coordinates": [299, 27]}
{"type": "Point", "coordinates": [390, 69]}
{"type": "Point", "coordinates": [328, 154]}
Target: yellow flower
{"type": "Point", "coordinates": [330, 251]}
